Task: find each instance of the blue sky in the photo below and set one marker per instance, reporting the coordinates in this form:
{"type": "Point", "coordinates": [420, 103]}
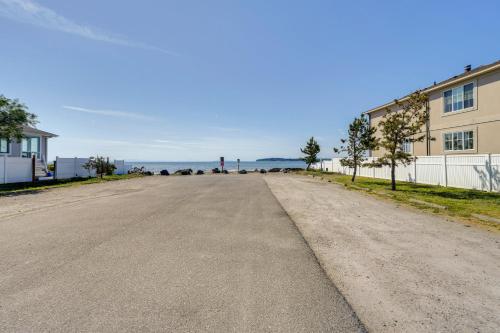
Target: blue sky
{"type": "Point", "coordinates": [194, 80]}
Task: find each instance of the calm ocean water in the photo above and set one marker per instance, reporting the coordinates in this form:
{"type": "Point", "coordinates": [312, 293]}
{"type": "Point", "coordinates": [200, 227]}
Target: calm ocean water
{"type": "Point", "coordinates": [229, 165]}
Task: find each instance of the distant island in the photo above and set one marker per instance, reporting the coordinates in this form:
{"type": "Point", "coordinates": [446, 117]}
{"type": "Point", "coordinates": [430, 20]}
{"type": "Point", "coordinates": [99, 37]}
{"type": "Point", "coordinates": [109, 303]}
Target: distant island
{"type": "Point", "coordinates": [275, 159]}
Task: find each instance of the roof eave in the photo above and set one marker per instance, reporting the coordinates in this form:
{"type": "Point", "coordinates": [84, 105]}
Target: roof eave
{"type": "Point", "coordinates": [39, 132]}
{"type": "Point", "coordinates": [439, 86]}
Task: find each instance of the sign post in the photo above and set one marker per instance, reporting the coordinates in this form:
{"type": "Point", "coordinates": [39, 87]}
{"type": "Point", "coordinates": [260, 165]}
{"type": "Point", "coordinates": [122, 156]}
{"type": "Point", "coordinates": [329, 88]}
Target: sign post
{"type": "Point", "coordinates": [238, 160]}
{"type": "Point", "coordinates": [222, 163]}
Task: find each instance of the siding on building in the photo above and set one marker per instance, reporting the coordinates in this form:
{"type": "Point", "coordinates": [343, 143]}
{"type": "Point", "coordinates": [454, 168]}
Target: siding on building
{"type": "Point", "coordinates": [483, 119]}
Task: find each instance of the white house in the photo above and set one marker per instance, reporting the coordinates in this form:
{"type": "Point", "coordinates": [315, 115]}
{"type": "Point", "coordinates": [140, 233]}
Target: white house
{"type": "Point", "coordinates": [34, 143]}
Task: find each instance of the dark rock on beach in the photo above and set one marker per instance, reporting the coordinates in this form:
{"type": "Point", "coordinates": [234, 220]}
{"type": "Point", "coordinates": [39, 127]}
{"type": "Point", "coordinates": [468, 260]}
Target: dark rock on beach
{"type": "Point", "coordinates": [286, 170]}
{"type": "Point", "coordinates": [184, 172]}
{"type": "Point", "coordinates": [164, 173]}
{"type": "Point", "coordinates": [200, 172]}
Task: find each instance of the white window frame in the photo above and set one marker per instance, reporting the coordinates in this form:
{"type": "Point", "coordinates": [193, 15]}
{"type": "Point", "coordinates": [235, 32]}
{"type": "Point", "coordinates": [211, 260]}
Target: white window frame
{"type": "Point", "coordinates": [410, 145]}
{"type": "Point", "coordinates": [40, 143]}
{"type": "Point", "coordinates": [462, 85]}
{"type": "Point", "coordinates": [463, 141]}
{"type": "Point", "coordinates": [9, 147]}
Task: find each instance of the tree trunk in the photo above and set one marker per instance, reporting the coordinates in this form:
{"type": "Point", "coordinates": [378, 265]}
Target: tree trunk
{"type": "Point", "coordinates": [393, 175]}
{"type": "Point", "coordinates": [354, 172]}
{"type": "Point", "coordinates": [308, 166]}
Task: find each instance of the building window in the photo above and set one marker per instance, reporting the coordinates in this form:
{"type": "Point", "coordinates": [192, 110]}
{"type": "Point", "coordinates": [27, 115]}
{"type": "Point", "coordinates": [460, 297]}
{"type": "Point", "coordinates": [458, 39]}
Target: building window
{"type": "Point", "coordinates": [459, 98]}
{"type": "Point", "coordinates": [468, 95]}
{"type": "Point", "coordinates": [30, 146]}
{"type": "Point", "coordinates": [406, 146]}
{"type": "Point", "coordinates": [4, 146]}
{"type": "Point", "coordinates": [459, 141]}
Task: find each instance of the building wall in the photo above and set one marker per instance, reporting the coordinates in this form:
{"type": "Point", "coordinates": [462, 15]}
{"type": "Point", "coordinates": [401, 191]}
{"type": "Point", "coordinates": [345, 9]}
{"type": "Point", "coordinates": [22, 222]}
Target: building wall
{"type": "Point", "coordinates": [483, 119]}
{"type": "Point", "coordinates": [16, 147]}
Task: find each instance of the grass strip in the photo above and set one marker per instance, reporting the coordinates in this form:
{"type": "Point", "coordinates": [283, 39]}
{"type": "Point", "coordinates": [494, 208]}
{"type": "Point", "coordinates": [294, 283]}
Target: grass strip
{"type": "Point", "coordinates": [21, 188]}
{"type": "Point", "coordinates": [463, 203]}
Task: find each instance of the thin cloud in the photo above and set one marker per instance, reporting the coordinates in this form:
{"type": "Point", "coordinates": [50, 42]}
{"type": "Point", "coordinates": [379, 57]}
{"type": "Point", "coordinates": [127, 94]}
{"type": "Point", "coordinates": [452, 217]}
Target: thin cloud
{"type": "Point", "coordinates": [28, 11]}
{"type": "Point", "coordinates": [109, 113]}
{"type": "Point", "coordinates": [179, 142]}
{"type": "Point", "coordinates": [225, 129]}
{"type": "Point", "coordinates": [126, 144]}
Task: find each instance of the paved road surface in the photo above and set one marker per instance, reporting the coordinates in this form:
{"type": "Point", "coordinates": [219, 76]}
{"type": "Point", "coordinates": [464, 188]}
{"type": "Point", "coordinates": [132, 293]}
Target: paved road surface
{"type": "Point", "coordinates": [176, 254]}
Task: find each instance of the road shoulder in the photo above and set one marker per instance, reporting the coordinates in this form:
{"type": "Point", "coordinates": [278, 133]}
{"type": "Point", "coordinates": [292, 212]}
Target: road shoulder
{"type": "Point", "coordinates": [400, 269]}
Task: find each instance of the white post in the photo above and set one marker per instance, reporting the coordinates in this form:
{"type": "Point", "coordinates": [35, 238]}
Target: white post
{"type": "Point", "coordinates": [489, 169]}
{"type": "Point", "coordinates": [55, 167]}
{"type": "Point", "coordinates": [415, 171]}
{"type": "Point", "coordinates": [445, 171]}
{"type": "Point", "coordinates": [5, 169]}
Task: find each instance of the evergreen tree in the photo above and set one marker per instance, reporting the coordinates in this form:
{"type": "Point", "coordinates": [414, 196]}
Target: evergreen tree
{"type": "Point", "coordinates": [402, 123]}
{"type": "Point", "coordinates": [361, 139]}
{"type": "Point", "coordinates": [311, 150]}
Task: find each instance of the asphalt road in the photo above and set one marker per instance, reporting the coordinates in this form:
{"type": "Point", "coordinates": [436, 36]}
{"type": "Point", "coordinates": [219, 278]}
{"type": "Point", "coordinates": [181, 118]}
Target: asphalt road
{"type": "Point", "coordinates": [173, 254]}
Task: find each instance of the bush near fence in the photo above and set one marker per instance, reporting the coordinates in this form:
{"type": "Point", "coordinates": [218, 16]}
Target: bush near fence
{"type": "Point", "coordinates": [73, 168]}
{"type": "Point", "coordinates": [479, 172]}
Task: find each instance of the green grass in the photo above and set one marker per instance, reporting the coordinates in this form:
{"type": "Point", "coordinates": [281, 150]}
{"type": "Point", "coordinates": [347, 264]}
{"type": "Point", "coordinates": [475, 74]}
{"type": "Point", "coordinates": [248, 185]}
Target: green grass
{"type": "Point", "coordinates": [458, 202]}
{"type": "Point", "coordinates": [20, 188]}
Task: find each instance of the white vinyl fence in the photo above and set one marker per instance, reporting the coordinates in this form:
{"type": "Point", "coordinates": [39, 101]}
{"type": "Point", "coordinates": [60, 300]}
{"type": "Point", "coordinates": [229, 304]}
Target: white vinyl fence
{"type": "Point", "coordinates": [480, 172]}
{"type": "Point", "coordinates": [15, 170]}
{"type": "Point", "coordinates": [121, 169]}
{"type": "Point", "coordinates": [73, 168]}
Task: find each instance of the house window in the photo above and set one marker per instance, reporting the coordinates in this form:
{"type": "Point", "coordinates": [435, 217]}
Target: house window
{"type": "Point", "coordinates": [4, 146]}
{"type": "Point", "coordinates": [459, 141]}
{"type": "Point", "coordinates": [406, 146]}
{"type": "Point", "coordinates": [459, 98]}
{"type": "Point", "coordinates": [30, 146]}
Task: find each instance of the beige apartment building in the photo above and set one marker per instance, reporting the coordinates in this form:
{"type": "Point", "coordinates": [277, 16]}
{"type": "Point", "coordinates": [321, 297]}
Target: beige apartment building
{"type": "Point", "coordinates": [464, 114]}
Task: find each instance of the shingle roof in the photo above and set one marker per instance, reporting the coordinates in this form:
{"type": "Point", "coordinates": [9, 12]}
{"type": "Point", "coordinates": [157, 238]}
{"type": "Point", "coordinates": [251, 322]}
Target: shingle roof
{"type": "Point", "coordinates": [437, 85]}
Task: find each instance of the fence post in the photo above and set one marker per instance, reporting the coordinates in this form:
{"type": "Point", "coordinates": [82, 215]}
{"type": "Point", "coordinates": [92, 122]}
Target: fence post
{"type": "Point", "coordinates": [5, 169]}
{"type": "Point", "coordinates": [55, 167]}
{"type": "Point", "coordinates": [33, 168]}
{"type": "Point", "coordinates": [445, 171]}
{"type": "Point", "coordinates": [489, 169]}
{"type": "Point", "coordinates": [415, 171]}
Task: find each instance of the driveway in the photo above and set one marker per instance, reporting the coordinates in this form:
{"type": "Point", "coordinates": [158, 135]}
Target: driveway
{"type": "Point", "coordinates": [174, 254]}
{"type": "Point", "coordinates": [401, 270]}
